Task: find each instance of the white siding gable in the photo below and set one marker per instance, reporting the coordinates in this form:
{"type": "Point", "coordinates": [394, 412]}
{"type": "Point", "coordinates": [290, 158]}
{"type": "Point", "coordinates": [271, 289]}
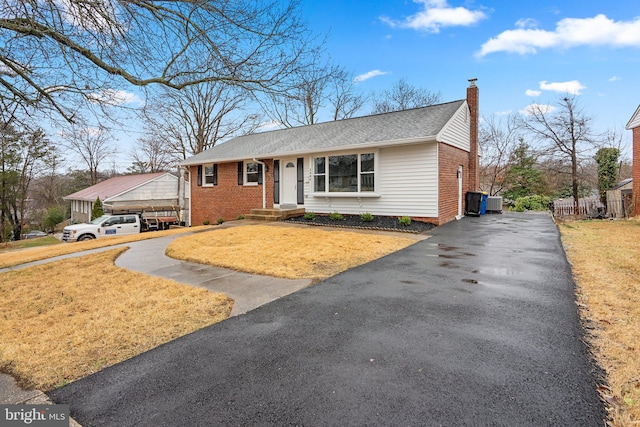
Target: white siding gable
{"type": "Point", "coordinates": [635, 120]}
{"type": "Point", "coordinates": [164, 187]}
{"type": "Point", "coordinates": [406, 184]}
{"type": "Point", "coordinates": [457, 130]}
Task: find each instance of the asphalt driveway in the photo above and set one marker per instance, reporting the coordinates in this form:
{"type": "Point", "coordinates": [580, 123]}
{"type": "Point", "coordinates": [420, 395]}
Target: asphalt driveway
{"type": "Point", "coordinates": [474, 326]}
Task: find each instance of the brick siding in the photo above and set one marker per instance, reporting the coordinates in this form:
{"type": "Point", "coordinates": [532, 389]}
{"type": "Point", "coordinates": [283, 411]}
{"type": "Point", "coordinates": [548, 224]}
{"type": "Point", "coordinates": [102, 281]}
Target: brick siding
{"type": "Point", "coordinates": [227, 200]}
{"type": "Point", "coordinates": [449, 159]}
{"type": "Point", "coordinates": [635, 174]}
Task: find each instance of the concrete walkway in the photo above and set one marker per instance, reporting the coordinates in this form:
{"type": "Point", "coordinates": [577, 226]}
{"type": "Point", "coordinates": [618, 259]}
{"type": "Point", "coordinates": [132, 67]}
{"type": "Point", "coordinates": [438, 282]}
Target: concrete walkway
{"type": "Point", "coordinates": [474, 326]}
{"type": "Point", "coordinates": [249, 291]}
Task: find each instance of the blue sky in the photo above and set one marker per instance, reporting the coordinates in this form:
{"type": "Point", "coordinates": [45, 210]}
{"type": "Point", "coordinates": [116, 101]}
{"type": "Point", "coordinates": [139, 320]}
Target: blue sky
{"type": "Point", "coordinates": [521, 52]}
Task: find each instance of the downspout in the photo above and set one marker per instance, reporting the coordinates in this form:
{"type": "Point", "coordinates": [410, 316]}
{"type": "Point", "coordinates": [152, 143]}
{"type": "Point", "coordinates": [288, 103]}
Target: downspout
{"type": "Point", "coordinates": [181, 191]}
{"type": "Point", "coordinates": [264, 182]}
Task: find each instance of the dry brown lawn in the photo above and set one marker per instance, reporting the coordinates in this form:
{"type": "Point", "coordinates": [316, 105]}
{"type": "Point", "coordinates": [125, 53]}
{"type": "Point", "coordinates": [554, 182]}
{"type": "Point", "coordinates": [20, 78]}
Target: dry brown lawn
{"type": "Point", "coordinates": [64, 320]}
{"type": "Point", "coordinates": [606, 264]}
{"type": "Point", "coordinates": [288, 252]}
{"type": "Point", "coordinates": [16, 257]}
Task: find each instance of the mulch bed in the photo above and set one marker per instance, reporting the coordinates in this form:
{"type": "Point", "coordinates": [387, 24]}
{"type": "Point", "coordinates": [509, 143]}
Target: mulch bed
{"type": "Point", "coordinates": [353, 221]}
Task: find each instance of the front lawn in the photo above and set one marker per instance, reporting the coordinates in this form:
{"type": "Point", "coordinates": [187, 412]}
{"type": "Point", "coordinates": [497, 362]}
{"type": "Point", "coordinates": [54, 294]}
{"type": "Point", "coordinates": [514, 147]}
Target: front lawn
{"type": "Point", "coordinates": [64, 320]}
{"type": "Point", "coordinates": [288, 252]}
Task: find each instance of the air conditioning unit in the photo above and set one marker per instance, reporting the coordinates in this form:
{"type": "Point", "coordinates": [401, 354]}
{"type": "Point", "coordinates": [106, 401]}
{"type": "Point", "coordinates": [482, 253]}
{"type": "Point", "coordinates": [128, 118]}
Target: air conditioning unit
{"type": "Point", "coordinates": [494, 204]}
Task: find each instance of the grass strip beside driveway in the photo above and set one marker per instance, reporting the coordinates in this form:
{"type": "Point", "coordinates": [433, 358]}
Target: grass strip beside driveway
{"type": "Point", "coordinates": [287, 252]}
{"type": "Point", "coordinates": [605, 256]}
{"type": "Point", "coordinates": [16, 257]}
{"type": "Point", "coordinates": [67, 319]}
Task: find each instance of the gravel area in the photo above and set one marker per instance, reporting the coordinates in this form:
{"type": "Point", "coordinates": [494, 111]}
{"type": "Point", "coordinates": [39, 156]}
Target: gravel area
{"type": "Point", "coordinates": [354, 221]}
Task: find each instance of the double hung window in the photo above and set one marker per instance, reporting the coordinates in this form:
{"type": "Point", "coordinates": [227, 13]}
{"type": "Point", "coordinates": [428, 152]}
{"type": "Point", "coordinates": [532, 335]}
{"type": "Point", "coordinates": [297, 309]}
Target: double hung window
{"type": "Point", "coordinates": [252, 173]}
{"type": "Point", "coordinates": [210, 172]}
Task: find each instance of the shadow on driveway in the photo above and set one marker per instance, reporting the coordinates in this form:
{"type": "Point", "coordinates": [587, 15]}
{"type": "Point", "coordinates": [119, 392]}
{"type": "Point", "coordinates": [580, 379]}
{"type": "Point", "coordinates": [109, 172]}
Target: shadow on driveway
{"type": "Point", "coordinates": [474, 326]}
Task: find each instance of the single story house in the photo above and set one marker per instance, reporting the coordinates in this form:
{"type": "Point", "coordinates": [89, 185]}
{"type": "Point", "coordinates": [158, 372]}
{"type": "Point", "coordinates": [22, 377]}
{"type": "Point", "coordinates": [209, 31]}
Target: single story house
{"type": "Point", "coordinates": [418, 163]}
{"type": "Point", "coordinates": [619, 199]}
{"type": "Point", "coordinates": [160, 191]}
{"type": "Point", "coordinates": [634, 126]}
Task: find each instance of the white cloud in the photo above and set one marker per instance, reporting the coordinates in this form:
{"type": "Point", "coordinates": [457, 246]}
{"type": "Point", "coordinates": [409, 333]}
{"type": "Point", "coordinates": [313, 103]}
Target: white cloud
{"type": "Point", "coordinates": [530, 109]}
{"type": "Point", "coordinates": [269, 125]}
{"type": "Point", "coordinates": [526, 23]}
{"type": "Point", "coordinates": [569, 32]}
{"type": "Point", "coordinates": [615, 78]}
{"type": "Point", "coordinates": [114, 97]}
{"type": "Point", "coordinates": [437, 14]}
{"type": "Point", "coordinates": [503, 113]}
{"type": "Point", "coordinates": [573, 87]}
{"type": "Point", "coordinates": [368, 75]}
{"type": "Point", "coordinates": [531, 92]}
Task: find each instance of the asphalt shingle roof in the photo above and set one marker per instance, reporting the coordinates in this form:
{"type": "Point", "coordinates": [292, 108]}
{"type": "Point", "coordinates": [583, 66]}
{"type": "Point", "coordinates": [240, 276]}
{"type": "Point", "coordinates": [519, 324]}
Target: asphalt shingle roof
{"type": "Point", "coordinates": [425, 122]}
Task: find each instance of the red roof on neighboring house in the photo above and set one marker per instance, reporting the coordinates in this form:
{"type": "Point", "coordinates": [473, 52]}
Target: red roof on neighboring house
{"type": "Point", "coordinates": [114, 186]}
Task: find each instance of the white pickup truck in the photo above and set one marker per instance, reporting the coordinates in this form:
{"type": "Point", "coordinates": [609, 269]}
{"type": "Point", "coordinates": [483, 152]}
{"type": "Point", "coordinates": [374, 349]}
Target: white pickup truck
{"type": "Point", "coordinates": [106, 225]}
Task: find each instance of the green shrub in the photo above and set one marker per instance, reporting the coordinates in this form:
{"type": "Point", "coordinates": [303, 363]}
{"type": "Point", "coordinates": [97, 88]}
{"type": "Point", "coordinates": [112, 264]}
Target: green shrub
{"type": "Point", "coordinates": [531, 203]}
{"type": "Point", "coordinates": [335, 216]}
{"type": "Point", "coordinates": [309, 216]}
{"type": "Point", "coordinates": [240, 216]}
{"type": "Point", "coordinates": [405, 220]}
{"type": "Point", "coordinates": [206, 222]}
{"type": "Point", "coordinates": [220, 221]}
{"type": "Point", "coordinates": [366, 217]}
{"type": "Point", "coordinates": [54, 216]}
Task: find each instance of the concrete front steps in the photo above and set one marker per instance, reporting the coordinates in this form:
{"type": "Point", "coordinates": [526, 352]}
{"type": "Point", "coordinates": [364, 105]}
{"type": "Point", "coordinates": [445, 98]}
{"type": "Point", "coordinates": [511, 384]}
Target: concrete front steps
{"type": "Point", "coordinates": [274, 214]}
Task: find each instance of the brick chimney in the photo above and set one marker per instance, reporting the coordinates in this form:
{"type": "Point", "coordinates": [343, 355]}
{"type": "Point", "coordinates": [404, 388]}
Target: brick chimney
{"type": "Point", "coordinates": [474, 160]}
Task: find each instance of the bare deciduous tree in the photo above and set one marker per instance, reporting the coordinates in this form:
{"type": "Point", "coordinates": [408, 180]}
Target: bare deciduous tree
{"type": "Point", "coordinates": [91, 145]}
{"type": "Point", "coordinates": [403, 96]}
{"type": "Point", "coordinates": [498, 139]}
{"type": "Point", "coordinates": [344, 99]}
{"type": "Point", "coordinates": [566, 132]}
{"type": "Point", "coordinates": [150, 155]}
{"type": "Point", "coordinates": [191, 120]}
{"type": "Point", "coordinates": [53, 51]}
{"type": "Point", "coordinates": [320, 85]}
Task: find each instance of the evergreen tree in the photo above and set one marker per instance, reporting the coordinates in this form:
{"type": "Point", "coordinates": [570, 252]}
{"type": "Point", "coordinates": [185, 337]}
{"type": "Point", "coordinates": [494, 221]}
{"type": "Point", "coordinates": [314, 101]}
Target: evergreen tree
{"type": "Point", "coordinates": [607, 159]}
{"type": "Point", "coordinates": [97, 211]}
{"type": "Point", "coordinates": [522, 177]}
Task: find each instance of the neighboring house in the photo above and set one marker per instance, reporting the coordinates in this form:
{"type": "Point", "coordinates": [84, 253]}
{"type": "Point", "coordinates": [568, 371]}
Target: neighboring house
{"type": "Point", "coordinates": [417, 162]}
{"type": "Point", "coordinates": [619, 199]}
{"type": "Point", "coordinates": [634, 126]}
{"type": "Point", "coordinates": [152, 191]}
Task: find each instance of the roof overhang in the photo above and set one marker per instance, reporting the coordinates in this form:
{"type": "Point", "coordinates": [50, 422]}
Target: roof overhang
{"type": "Point", "coordinates": [634, 121]}
{"type": "Point", "coordinates": [378, 144]}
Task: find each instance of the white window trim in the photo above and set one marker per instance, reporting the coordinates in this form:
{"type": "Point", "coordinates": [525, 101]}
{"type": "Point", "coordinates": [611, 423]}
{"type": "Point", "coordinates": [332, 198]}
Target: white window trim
{"type": "Point", "coordinates": [245, 181]}
{"type": "Point", "coordinates": [204, 175]}
{"type": "Point", "coordinates": [327, 193]}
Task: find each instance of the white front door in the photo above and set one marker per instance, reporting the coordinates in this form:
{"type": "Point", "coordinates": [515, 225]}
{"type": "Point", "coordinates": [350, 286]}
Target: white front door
{"type": "Point", "coordinates": [289, 182]}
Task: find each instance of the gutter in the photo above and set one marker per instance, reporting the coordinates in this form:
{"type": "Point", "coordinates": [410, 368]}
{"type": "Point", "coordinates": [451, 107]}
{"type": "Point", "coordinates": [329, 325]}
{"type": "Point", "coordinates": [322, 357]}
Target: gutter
{"type": "Point", "coordinates": [264, 182]}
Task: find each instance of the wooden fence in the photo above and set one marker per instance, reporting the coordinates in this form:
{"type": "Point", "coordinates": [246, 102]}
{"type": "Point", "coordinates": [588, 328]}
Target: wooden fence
{"type": "Point", "coordinates": [588, 207]}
